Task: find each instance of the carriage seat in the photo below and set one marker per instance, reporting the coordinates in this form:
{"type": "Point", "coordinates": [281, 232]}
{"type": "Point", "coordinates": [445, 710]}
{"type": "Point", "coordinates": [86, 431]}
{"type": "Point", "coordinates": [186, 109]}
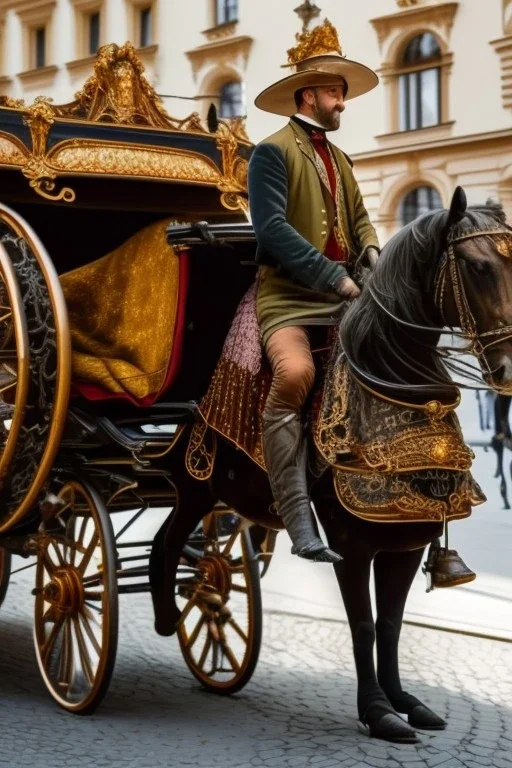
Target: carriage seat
{"type": "Point", "coordinates": [127, 316]}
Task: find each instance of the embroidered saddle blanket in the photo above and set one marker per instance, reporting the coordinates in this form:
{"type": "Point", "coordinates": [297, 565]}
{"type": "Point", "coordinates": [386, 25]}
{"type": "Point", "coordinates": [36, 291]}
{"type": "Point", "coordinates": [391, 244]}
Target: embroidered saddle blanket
{"type": "Point", "coordinates": [391, 462]}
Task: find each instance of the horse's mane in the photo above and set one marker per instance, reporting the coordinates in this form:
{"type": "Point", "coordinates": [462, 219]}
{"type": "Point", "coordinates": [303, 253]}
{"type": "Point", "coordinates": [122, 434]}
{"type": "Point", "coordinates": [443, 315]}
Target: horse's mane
{"type": "Point", "coordinates": [403, 283]}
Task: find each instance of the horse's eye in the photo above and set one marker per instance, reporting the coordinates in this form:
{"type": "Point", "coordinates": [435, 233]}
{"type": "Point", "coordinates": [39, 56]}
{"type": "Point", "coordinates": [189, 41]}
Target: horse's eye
{"type": "Point", "coordinates": [479, 267]}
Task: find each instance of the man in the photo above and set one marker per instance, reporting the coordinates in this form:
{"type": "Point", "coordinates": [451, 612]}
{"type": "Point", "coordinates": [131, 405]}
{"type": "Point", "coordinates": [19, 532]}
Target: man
{"type": "Point", "coordinates": [311, 225]}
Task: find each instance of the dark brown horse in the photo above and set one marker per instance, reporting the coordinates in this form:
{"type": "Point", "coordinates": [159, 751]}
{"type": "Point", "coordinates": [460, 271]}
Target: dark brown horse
{"type": "Point", "coordinates": [390, 336]}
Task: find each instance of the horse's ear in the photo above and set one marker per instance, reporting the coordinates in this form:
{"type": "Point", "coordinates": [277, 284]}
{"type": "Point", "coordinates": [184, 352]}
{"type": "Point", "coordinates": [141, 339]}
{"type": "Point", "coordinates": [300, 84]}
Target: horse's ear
{"type": "Point", "coordinates": [457, 208]}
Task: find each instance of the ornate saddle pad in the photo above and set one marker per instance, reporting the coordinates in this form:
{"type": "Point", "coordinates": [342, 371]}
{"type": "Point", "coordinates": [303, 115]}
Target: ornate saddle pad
{"type": "Point", "coordinates": [391, 462]}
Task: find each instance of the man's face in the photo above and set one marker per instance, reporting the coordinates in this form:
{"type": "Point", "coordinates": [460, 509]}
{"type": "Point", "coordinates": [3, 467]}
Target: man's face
{"type": "Point", "coordinates": [327, 104]}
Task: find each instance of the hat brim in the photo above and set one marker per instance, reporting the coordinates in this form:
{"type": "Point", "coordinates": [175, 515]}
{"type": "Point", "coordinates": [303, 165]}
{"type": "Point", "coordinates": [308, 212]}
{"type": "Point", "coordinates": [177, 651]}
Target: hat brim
{"type": "Point", "coordinates": [279, 97]}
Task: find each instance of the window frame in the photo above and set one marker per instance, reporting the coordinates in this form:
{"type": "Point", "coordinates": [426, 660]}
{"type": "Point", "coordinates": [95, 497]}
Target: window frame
{"type": "Point", "coordinates": [34, 46]}
{"type": "Point", "coordinates": [222, 13]}
{"type": "Point", "coordinates": [84, 11]}
{"type": "Point", "coordinates": [242, 102]}
{"type": "Point", "coordinates": [92, 49]}
{"type": "Point", "coordinates": [415, 190]}
{"type": "Point", "coordinates": [140, 12]}
{"type": "Point", "coordinates": [413, 77]}
{"type": "Point", "coordinates": [410, 74]}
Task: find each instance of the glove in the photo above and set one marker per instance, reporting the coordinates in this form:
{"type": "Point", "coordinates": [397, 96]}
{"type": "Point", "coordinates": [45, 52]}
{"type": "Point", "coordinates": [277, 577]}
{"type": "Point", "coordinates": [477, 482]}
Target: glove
{"type": "Point", "coordinates": [347, 288]}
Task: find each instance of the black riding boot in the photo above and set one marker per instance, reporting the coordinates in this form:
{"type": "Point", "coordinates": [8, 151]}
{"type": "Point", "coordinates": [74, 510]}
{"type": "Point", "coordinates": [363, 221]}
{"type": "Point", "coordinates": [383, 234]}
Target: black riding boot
{"type": "Point", "coordinates": [284, 447]}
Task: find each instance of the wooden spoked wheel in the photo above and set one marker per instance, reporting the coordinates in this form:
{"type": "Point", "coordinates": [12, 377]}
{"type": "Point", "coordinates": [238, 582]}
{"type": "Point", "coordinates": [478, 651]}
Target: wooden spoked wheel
{"type": "Point", "coordinates": [219, 595]}
{"type": "Point", "coordinates": [76, 605]}
{"type": "Point", "coordinates": [32, 302]}
{"type": "Point", "coordinates": [5, 572]}
{"type": "Point", "coordinates": [14, 362]}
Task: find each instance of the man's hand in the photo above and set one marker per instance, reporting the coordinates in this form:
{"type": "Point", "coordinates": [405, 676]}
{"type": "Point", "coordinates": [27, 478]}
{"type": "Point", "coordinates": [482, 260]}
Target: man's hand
{"type": "Point", "coordinates": [347, 288]}
{"type": "Point", "coordinates": [372, 255]}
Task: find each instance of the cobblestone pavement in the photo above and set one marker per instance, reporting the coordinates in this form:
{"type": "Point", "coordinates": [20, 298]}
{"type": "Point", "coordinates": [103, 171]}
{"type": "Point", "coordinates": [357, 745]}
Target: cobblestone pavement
{"type": "Point", "coordinates": [298, 710]}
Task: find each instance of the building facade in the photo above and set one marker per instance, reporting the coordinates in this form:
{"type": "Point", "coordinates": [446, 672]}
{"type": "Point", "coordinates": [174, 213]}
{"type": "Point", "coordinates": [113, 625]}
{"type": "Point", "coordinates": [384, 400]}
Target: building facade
{"type": "Point", "coordinates": [441, 116]}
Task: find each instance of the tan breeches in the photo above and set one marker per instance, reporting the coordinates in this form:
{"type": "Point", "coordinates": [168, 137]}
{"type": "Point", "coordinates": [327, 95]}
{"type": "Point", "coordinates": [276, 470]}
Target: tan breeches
{"type": "Point", "coordinates": [293, 369]}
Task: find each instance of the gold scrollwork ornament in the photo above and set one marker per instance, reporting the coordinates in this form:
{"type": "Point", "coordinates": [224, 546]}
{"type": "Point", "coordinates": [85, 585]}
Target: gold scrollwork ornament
{"type": "Point", "coordinates": [39, 118]}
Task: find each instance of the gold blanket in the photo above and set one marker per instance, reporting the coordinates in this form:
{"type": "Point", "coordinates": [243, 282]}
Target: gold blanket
{"type": "Point", "coordinates": [122, 312]}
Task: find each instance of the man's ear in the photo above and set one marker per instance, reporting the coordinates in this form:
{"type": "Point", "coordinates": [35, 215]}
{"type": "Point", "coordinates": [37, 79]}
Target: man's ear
{"type": "Point", "coordinates": [308, 95]}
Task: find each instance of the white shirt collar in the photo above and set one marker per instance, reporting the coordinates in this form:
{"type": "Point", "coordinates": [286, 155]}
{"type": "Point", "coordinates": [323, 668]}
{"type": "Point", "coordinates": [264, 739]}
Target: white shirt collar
{"type": "Point", "coordinates": [309, 120]}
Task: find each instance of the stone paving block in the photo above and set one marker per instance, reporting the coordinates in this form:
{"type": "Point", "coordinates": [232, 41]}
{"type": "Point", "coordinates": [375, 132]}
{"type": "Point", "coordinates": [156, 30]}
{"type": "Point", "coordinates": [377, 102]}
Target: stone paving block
{"type": "Point", "coordinates": [156, 710]}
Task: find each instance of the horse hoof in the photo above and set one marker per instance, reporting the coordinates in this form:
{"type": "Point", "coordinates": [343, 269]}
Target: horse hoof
{"type": "Point", "coordinates": [389, 727]}
{"type": "Point", "coordinates": [416, 713]}
{"type": "Point", "coordinates": [423, 718]}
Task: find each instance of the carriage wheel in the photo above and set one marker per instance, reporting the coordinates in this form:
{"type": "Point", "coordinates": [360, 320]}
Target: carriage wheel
{"type": "Point", "coordinates": [5, 572]}
{"type": "Point", "coordinates": [76, 606]}
{"type": "Point", "coordinates": [14, 362]}
{"type": "Point", "coordinates": [219, 595]}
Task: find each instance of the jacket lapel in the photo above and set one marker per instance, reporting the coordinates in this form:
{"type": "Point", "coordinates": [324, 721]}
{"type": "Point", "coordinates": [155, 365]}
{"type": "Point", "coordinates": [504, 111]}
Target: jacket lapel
{"type": "Point", "coordinates": [305, 146]}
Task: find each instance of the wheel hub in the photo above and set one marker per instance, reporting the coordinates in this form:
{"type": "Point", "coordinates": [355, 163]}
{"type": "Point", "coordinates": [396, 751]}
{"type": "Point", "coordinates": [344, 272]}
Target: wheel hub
{"type": "Point", "coordinates": [65, 591]}
{"type": "Point", "coordinates": [217, 574]}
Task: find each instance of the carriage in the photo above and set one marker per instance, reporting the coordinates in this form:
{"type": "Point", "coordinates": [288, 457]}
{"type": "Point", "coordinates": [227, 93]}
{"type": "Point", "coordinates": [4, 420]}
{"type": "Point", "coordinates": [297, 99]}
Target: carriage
{"type": "Point", "coordinates": [83, 291]}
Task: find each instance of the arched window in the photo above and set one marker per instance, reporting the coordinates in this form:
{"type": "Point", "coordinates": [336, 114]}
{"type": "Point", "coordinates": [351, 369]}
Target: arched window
{"type": "Point", "coordinates": [232, 100]}
{"type": "Point", "coordinates": [420, 85]}
{"type": "Point", "coordinates": [418, 201]}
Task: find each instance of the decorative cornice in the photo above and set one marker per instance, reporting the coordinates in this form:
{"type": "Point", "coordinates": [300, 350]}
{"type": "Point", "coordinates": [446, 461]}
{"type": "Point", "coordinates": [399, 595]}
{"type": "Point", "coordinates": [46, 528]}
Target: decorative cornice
{"type": "Point", "coordinates": [464, 142]}
{"type": "Point", "coordinates": [439, 17]}
{"type": "Point", "coordinates": [218, 49]}
{"type": "Point", "coordinates": [35, 12]}
{"type": "Point", "coordinates": [85, 63]}
{"type": "Point", "coordinates": [44, 74]}
{"type": "Point", "coordinates": [220, 31]}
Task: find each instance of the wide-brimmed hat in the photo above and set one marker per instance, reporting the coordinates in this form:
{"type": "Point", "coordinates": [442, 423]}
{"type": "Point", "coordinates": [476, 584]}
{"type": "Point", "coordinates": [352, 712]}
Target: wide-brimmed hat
{"type": "Point", "coordinates": [318, 60]}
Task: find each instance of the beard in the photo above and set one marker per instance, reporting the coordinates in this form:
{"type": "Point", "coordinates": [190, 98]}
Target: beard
{"type": "Point", "coordinates": [327, 118]}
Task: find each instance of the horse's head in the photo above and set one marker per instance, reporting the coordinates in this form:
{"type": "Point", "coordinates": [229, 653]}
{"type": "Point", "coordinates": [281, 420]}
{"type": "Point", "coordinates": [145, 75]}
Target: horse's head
{"type": "Point", "coordinates": [474, 285]}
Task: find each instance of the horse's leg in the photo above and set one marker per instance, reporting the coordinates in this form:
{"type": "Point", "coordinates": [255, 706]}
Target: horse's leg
{"type": "Point", "coordinates": [375, 711]}
{"type": "Point", "coordinates": [394, 573]}
{"type": "Point", "coordinates": [194, 500]}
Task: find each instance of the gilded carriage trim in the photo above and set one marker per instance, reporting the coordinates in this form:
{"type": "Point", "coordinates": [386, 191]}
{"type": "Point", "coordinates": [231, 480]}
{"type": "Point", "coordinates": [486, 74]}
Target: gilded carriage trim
{"type": "Point", "coordinates": [83, 156]}
{"type": "Point", "coordinates": [40, 117]}
{"type": "Point", "coordinates": [119, 92]}
{"type": "Point", "coordinates": [12, 151]}
{"type": "Point", "coordinates": [233, 183]}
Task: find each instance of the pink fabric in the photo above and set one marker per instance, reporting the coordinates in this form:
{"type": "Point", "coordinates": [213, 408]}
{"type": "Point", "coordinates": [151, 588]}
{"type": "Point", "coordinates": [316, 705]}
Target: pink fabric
{"type": "Point", "coordinates": [243, 343]}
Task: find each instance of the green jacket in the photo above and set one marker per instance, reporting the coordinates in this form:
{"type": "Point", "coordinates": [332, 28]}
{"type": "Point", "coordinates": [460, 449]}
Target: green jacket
{"type": "Point", "coordinates": [293, 211]}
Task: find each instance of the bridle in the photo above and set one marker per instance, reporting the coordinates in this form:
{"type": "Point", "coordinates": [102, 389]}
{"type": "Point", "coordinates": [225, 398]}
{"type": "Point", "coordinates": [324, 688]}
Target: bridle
{"type": "Point", "coordinates": [449, 267]}
{"type": "Point", "coordinates": [478, 342]}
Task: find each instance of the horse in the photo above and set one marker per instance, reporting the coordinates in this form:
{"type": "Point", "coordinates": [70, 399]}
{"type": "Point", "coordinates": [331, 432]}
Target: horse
{"type": "Point", "coordinates": [447, 268]}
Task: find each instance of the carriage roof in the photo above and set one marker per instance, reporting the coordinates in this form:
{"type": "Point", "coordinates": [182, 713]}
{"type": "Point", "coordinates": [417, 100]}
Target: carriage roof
{"type": "Point", "coordinates": [115, 146]}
